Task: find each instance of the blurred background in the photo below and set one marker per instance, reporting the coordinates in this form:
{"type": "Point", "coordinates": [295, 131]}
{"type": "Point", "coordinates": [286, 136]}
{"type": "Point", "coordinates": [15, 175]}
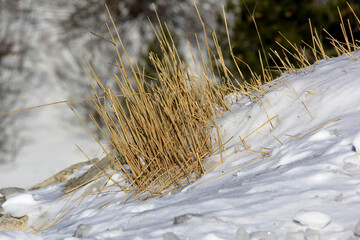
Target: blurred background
{"type": "Point", "coordinates": [43, 45]}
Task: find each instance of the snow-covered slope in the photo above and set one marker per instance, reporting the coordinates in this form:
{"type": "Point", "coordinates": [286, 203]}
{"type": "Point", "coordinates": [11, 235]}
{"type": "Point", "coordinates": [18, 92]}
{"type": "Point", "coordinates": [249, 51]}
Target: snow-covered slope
{"type": "Point", "coordinates": [297, 177]}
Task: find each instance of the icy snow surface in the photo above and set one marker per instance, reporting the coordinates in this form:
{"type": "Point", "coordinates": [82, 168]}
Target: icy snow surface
{"type": "Point", "coordinates": [304, 183]}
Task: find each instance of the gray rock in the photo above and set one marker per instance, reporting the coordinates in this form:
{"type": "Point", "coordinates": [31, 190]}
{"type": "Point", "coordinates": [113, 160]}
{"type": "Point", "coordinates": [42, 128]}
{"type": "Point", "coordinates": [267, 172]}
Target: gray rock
{"type": "Point", "coordinates": [311, 234]}
{"type": "Point", "coordinates": [357, 229]}
{"type": "Point", "coordinates": [83, 230]}
{"type": "Point", "coordinates": [8, 223]}
{"type": "Point", "coordinates": [96, 171]}
{"type": "Point", "coordinates": [263, 235]}
{"type": "Point", "coordinates": [295, 235]}
{"type": "Point", "coordinates": [339, 197]}
{"type": "Point", "coordinates": [242, 234]}
{"type": "Point", "coordinates": [60, 176]}
{"type": "Point", "coordinates": [170, 236]}
{"type": "Point", "coordinates": [11, 190]}
{"type": "Point", "coordinates": [184, 218]}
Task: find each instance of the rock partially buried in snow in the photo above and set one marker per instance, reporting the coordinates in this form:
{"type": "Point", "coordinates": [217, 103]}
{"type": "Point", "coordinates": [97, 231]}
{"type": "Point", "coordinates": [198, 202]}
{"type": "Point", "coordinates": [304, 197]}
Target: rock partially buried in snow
{"type": "Point", "coordinates": [96, 171]}
{"type": "Point", "coordinates": [312, 219]}
{"type": "Point", "coordinates": [242, 234]}
{"type": "Point", "coordinates": [170, 236]}
{"type": "Point", "coordinates": [61, 176]}
{"type": "Point", "coordinates": [19, 205]}
{"type": "Point", "coordinates": [82, 230]}
{"type": "Point", "coordinates": [11, 190]}
{"type": "Point", "coordinates": [8, 223]}
{"type": "Point", "coordinates": [357, 229]}
{"type": "Point", "coordinates": [2, 200]}
{"type": "Point", "coordinates": [184, 218]}
{"type": "Point", "coordinates": [339, 197]}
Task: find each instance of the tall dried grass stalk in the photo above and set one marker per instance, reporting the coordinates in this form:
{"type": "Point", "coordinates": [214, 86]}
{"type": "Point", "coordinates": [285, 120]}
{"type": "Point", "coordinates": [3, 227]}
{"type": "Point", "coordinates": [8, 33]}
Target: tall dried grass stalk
{"type": "Point", "coordinates": [161, 135]}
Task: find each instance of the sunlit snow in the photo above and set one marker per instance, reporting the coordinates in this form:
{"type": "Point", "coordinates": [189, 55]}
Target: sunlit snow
{"type": "Point", "coordinates": [291, 170]}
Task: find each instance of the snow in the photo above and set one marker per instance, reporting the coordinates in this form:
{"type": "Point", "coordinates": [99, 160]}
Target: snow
{"type": "Point", "coordinates": [291, 171]}
{"type": "Point", "coordinates": [312, 219]}
{"type": "Point", "coordinates": [17, 205]}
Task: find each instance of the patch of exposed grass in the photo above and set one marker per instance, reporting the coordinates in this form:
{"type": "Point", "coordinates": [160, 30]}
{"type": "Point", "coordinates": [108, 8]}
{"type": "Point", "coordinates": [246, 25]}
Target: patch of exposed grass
{"type": "Point", "coordinates": [161, 135]}
{"type": "Point", "coordinates": [163, 131]}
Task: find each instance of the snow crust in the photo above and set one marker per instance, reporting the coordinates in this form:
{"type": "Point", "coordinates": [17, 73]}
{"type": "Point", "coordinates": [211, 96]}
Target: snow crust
{"type": "Point", "coordinates": [298, 175]}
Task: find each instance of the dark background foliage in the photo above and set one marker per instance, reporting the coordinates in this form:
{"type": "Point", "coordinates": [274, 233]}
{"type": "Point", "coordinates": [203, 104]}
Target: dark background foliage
{"type": "Point", "coordinates": [291, 18]}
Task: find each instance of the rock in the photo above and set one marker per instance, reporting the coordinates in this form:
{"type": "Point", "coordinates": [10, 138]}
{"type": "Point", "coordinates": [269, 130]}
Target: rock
{"type": "Point", "coordinates": [8, 223]}
{"type": "Point", "coordinates": [295, 235]}
{"type": "Point", "coordinates": [6, 192]}
{"type": "Point", "coordinates": [242, 234]}
{"type": "Point", "coordinates": [312, 234]}
{"type": "Point", "coordinates": [19, 205]}
{"type": "Point", "coordinates": [357, 229]}
{"type": "Point", "coordinates": [11, 190]}
{"type": "Point", "coordinates": [339, 197]}
{"type": "Point", "coordinates": [96, 171]}
{"type": "Point", "coordinates": [82, 230]}
{"type": "Point", "coordinates": [184, 218]}
{"type": "Point", "coordinates": [61, 176]}
{"type": "Point", "coordinates": [312, 219]}
{"type": "Point", "coordinates": [170, 236]}
{"type": "Point", "coordinates": [263, 235]}
{"type": "Point", "coordinates": [2, 200]}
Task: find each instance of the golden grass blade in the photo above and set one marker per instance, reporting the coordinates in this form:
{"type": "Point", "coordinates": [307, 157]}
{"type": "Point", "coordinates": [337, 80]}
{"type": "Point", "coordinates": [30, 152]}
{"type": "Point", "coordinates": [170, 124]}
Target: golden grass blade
{"type": "Point", "coordinates": [314, 130]}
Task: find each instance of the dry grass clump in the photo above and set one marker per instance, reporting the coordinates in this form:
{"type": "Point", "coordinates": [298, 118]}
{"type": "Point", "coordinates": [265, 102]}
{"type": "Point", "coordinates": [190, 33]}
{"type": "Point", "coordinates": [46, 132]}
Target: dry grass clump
{"type": "Point", "coordinates": [161, 135]}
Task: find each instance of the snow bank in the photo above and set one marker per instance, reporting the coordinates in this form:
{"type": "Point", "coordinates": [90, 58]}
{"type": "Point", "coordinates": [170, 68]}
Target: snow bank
{"type": "Point", "coordinates": [291, 170]}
